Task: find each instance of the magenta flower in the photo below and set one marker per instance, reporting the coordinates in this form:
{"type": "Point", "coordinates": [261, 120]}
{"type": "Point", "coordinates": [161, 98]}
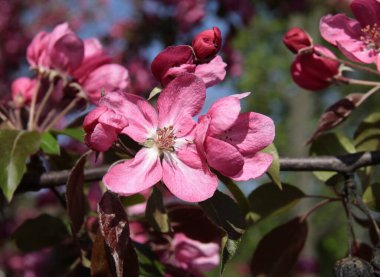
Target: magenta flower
{"type": "Point", "coordinates": [167, 135]}
{"type": "Point", "coordinates": [61, 50]}
{"type": "Point", "coordinates": [231, 141]}
{"type": "Point", "coordinates": [192, 255]}
{"type": "Point", "coordinates": [359, 40]}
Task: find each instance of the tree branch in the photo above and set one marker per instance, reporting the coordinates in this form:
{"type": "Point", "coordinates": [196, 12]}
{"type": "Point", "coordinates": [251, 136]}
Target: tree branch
{"type": "Point", "coordinates": [343, 164]}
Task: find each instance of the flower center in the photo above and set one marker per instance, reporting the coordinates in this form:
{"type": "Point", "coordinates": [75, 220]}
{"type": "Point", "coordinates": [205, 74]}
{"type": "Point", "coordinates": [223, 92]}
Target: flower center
{"type": "Point", "coordinates": [371, 36]}
{"type": "Point", "coordinates": [165, 138]}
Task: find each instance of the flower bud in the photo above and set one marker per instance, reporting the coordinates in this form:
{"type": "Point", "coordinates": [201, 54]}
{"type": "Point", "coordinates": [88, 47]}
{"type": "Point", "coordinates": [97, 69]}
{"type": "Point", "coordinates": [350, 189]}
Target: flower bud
{"type": "Point", "coordinates": [207, 44]}
{"type": "Point", "coordinates": [314, 72]}
{"type": "Point", "coordinates": [353, 267]}
{"type": "Point", "coordinates": [296, 39]}
{"type": "Point", "coordinates": [102, 126]}
{"type": "Point", "coordinates": [23, 89]}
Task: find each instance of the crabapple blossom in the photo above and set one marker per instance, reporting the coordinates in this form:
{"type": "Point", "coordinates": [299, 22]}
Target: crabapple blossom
{"type": "Point", "coordinates": [192, 255]}
{"type": "Point", "coordinates": [167, 136]}
{"type": "Point", "coordinates": [241, 136]}
{"type": "Point", "coordinates": [207, 44]}
{"type": "Point", "coordinates": [358, 39]}
{"type": "Point", "coordinates": [23, 89]}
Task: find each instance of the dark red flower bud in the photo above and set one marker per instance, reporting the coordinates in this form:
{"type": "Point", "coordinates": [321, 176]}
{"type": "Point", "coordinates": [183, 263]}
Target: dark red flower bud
{"type": "Point", "coordinates": [313, 72]}
{"type": "Point", "coordinates": [296, 39]}
{"type": "Point", "coordinates": [172, 56]}
{"type": "Point", "coordinates": [207, 44]}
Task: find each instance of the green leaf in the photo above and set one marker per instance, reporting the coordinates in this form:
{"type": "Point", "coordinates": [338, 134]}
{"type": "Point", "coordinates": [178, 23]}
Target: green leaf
{"type": "Point", "coordinates": [225, 213]}
{"type": "Point", "coordinates": [274, 169]}
{"type": "Point", "coordinates": [15, 148]}
{"type": "Point", "coordinates": [75, 133]}
{"type": "Point", "coordinates": [367, 135]}
{"type": "Point", "coordinates": [131, 200]}
{"type": "Point", "coordinates": [330, 144]}
{"type": "Point", "coordinates": [49, 144]}
{"type": "Point", "coordinates": [156, 213]}
{"type": "Point", "coordinates": [268, 199]}
{"type": "Point", "coordinates": [371, 197]}
{"type": "Point", "coordinates": [148, 263]}
{"type": "Point", "coordinates": [40, 232]}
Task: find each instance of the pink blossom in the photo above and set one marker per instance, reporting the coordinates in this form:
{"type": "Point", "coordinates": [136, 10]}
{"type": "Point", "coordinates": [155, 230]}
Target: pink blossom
{"type": "Point", "coordinates": [192, 255]}
{"type": "Point", "coordinates": [102, 126]}
{"type": "Point", "coordinates": [189, 12]}
{"type": "Point", "coordinates": [358, 39]}
{"type": "Point", "coordinates": [61, 49]}
{"type": "Point", "coordinates": [241, 136]}
{"type": "Point", "coordinates": [23, 89]}
{"type": "Point", "coordinates": [167, 136]}
{"type": "Point", "coordinates": [176, 60]}
{"type": "Point", "coordinates": [141, 78]}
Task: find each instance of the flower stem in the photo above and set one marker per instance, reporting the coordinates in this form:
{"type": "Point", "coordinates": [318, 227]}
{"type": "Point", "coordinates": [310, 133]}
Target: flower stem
{"type": "Point", "coordinates": [316, 207]}
{"type": "Point", "coordinates": [64, 112]}
{"type": "Point", "coordinates": [350, 81]}
{"type": "Point", "coordinates": [348, 63]}
{"type": "Point", "coordinates": [43, 103]}
{"type": "Point", "coordinates": [33, 103]}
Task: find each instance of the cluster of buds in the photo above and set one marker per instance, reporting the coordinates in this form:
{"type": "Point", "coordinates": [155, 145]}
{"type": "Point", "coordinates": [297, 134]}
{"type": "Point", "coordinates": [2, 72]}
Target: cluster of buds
{"type": "Point", "coordinates": [200, 59]}
{"type": "Point", "coordinates": [315, 67]}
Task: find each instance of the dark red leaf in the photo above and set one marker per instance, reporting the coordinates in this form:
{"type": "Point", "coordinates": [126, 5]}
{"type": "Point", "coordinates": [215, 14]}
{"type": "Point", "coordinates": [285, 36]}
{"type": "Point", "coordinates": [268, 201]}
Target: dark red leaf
{"type": "Point", "coordinates": [99, 261]}
{"type": "Point", "coordinates": [155, 212]}
{"type": "Point", "coordinates": [278, 250]}
{"type": "Point", "coordinates": [74, 194]}
{"type": "Point", "coordinates": [338, 112]}
{"type": "Point", "coordinates": [362, 251]}
{"type": "Point", "coordinates": [113, 222]}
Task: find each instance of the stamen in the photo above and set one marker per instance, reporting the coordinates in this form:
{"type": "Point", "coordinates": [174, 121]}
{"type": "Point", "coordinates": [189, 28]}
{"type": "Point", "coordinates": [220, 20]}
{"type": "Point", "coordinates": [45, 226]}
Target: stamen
{"type": "Point", "coordinates": [165, 139]}
{"type": "Point", "coordinates": [371, 36]}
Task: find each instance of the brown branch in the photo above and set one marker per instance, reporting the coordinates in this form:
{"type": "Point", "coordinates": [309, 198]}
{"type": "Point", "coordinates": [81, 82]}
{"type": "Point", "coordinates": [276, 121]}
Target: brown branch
{"type": "Point", "coordinates": [343, 164]}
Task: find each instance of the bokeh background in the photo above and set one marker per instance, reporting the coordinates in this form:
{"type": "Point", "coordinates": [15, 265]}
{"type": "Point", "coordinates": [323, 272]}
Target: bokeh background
{"type": "Point", "coordinates": [134, 32]}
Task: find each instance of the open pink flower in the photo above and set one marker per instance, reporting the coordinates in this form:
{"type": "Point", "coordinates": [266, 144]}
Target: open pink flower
{"type": "Point", "coordinates": [359, 40]}
{"type": "Point", "coordinates": [167, 136]}
{"type": "Point", "coordinates": [61, 49]}
{"type": "Point", "coordinates": [231, 141]}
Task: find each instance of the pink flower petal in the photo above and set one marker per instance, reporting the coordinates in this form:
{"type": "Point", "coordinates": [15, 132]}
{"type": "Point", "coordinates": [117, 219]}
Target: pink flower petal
{"type": "Point", "coordinates": [188, 181]}
{"type": "Point", "coordinates": [135, 175]}
{"type": "Point", "coordinates": [201, 133]}
{"type": "Point", "coordinates": [108, 77]}
{"type": "Point", "coordinates": [251, 133]}
{"type": "Point", "coordinates": [67, 52]}
{"type": "Point", "coordinates": [366, 11]}
{"type": "Point", "coordinates": [92, 117]}
{"type": "Point", "coordinates": [223, 156]}
{"type": "Point", "coordinates": [213, 72]}
{"type": "Point", "coordinates": [224, 112]}
{"type": "Point", "coordinates": [254, 167]}
{"type": "Point", "coordinates": [114, 120]}
{"type": "Point", "coordinates": [184, 95]}
{"type": "Point", "coordinates": [334, 28]}
{"type": "Point", "coordinates": [141, 116]}
{"type": "Point", "coordinates": [37, 49]}
{"type": "Point", "coordinates": [357, 51]}
{"type": "Point", "coordinates": [101, 138]}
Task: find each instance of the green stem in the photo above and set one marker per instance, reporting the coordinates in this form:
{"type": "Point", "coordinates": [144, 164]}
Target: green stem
{"type": "Point", "coordinates": [33, 103]}
{"type": "Point", "coordinates": [43, 103]}
{"type": "Point", "coordinates": [350, 81]}
{"type": "Point", "coordinates": [63, 113]}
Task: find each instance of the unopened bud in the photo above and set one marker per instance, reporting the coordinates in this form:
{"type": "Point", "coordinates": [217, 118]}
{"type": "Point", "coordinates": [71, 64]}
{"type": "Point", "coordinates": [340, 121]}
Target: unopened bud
{"type": "Point", "coordinates": [297, 39]}
{"type": "Point", "coordinates": [207, 44]}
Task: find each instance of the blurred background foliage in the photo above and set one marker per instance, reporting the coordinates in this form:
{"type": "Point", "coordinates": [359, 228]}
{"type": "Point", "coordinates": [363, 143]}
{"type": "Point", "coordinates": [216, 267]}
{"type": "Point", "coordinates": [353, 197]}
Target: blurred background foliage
{"type": "Point", "coordinates": [135, 31]}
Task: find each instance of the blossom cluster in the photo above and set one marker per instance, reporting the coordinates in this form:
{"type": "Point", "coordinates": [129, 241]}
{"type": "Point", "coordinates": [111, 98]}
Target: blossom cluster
{"type": "Point", "coordinates": [174, 148]}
